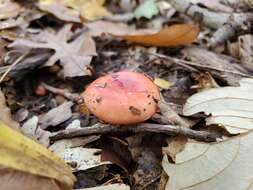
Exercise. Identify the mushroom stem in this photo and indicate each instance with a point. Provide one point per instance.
(71, 96)
(144, 127)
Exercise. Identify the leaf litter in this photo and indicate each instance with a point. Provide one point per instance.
(205, 87)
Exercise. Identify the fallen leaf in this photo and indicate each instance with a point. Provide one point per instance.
(174, 35)
(205, 81)
(5, 115)
(74, 56)
(115, 186)
(230, 107)
(223, 165)
(245, 47)
(220, 66)
(13, 14)
(79, 158)
(9, 9)
(147, 9)
(31, 129)
(13, 179)
(72, 10)
(22, 154)
(56, 115)
(215, 5)
(175, 146)
(162, 83)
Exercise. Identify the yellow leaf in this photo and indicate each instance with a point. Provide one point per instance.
(23, 154)
(164, 84)
(88, 9)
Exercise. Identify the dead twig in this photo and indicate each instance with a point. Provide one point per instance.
(71, 96)
(144, 127)
(228, 24)
(12, 66)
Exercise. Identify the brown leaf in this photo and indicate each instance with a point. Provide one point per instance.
(13, 179)
(175, 35)
(178, 34)
(56, 115)
(220, 66)
(74, 56)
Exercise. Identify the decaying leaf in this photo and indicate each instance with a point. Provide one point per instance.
(79, 158)
(175, 146)
(5, 115)
(74, 9)
(205, 81)
(57, 115)
(9, 9)
(74, 56)
(174, 35)
(115, 186)
(223, 165)
(25, 156)
(220, 66)
(245, 44)
(230, 107)
(31, 129)
(13, 14)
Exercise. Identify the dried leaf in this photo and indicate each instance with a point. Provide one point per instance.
(79, 158)
(13, 179)
(5, 115)
(175, 146)
(23, 154)
(245, 47)
(230, 107)
(220, 66)
(57, 115)
(109, 187)
(205, 81)
(9, 9)
(74, 56)
(72, 10)
(31, 129)
(175, 35)
(223, 165)
(12, 14)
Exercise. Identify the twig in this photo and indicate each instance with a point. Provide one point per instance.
(71, 96)
(212, 19)
(226, 23)
(144, 127)
(13, 65)
(199, 65)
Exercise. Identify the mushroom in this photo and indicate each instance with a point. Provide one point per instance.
(122, 98)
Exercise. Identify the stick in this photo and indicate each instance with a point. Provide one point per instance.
(144, 127)
(71, 96)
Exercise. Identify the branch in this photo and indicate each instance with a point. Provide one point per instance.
(228, 24)
(144, 127)
(212, 19)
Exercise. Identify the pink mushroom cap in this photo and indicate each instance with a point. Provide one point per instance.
(122, 98)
